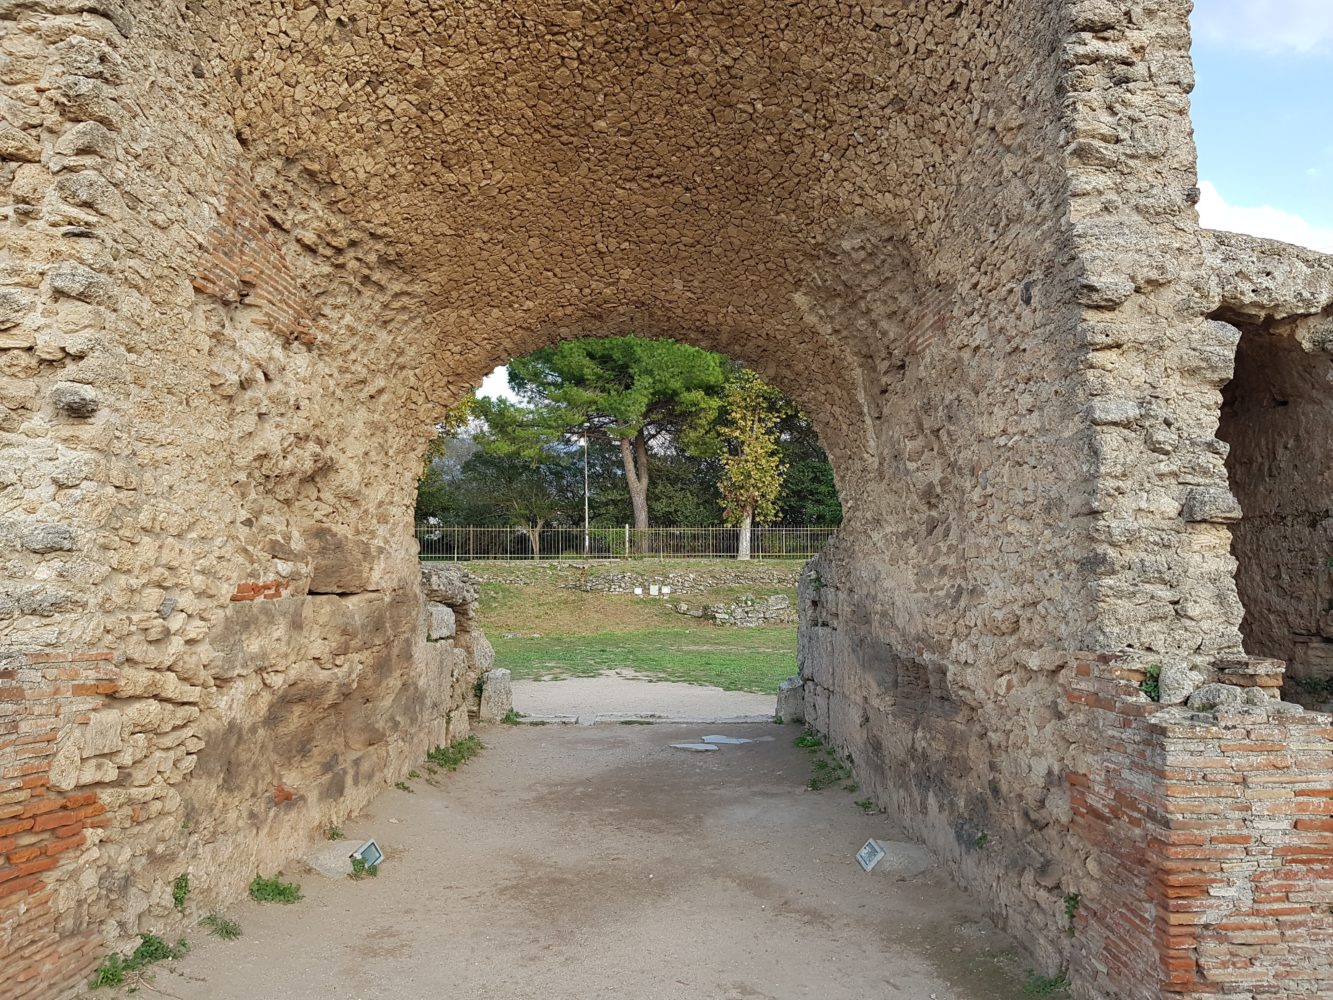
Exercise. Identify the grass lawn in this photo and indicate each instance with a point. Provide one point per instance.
(735, 659)
(545, 632)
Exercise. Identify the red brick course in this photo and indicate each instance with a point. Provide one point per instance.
(244, 262)
(1213, 864)
(41, 829)
(268, 591)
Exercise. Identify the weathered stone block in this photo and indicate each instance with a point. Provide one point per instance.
(497, 695)
(1177, 682)
(1211, 504)
(341, 563)
(791, 700)
(441, 623)
(1211, 697)
(44, 538)
(76, 400)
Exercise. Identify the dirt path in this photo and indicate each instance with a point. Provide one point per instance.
(621, 694)
(571, 862)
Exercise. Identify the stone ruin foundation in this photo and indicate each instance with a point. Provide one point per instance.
(252, 249)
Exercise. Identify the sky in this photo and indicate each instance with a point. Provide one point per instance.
(1263, 122)
(1263, 117)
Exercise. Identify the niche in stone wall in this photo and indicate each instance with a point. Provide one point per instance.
(1277, 418)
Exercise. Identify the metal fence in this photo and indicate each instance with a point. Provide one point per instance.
(439, 542)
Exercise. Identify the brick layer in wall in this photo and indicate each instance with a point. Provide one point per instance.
(244, 262)
(43, 830)
(1213, 848)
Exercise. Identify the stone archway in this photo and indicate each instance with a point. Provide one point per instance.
(254, 247)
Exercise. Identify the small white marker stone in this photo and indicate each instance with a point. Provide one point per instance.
(728, 740)
(700, 747)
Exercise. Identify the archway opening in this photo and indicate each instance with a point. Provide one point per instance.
(633, 510)
(1277, 418)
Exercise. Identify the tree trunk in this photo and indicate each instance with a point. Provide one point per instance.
(634, 455)
(743, 542)
(535, 539)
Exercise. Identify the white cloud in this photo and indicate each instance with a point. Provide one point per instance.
(1265, 25)
(496, 385)
(1273, 223)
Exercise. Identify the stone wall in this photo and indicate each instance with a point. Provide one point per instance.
(746, 611)
(254, 248)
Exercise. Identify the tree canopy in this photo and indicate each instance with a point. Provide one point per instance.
(701, 425)
(630, 391)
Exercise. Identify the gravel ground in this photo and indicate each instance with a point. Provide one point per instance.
(621, 695)
(568, 863)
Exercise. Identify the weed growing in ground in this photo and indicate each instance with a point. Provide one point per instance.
(808, 741)
(220, 926)
(1045, 986)
(1071, 909)
(512, 718)
(179, 890)
(413, 774)
(334, 833)
(403, 786)
(867, 806)
(829, 771)
(274, 890)
(362, 870)
(983, 838)
(151, 949)
(1151, 684)
(456, 754)
(777, 720)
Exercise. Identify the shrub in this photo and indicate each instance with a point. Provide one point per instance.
(274, 890)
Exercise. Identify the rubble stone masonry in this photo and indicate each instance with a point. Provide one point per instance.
(252, 250)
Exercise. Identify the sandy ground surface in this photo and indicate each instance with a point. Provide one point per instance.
(569, 862)
(622, 694)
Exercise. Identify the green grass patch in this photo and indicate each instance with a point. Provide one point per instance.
(223, 927)
(274, 890)
(180, 889)
(456, 754)
(362, 870)
(829, 771)
(151, 949)
(334, 833)
(1046, 986)
(734, 659)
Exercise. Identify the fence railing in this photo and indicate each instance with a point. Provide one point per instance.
(439, 542)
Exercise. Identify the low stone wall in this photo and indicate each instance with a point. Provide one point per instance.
(622, 577)
(746, 612)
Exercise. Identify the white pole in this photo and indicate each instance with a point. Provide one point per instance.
(587, 541)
